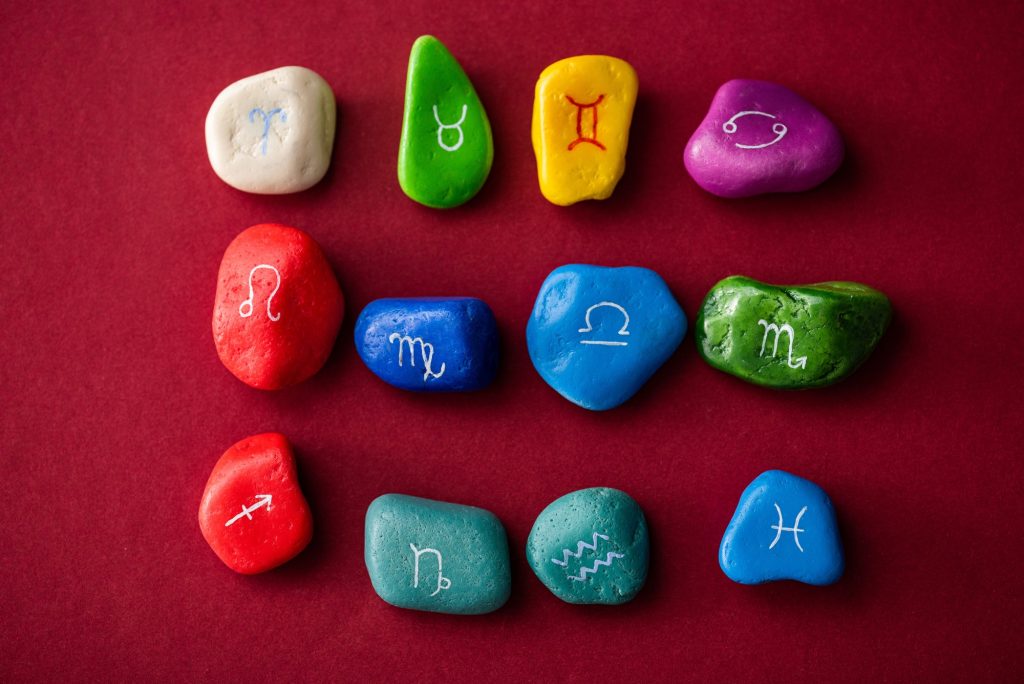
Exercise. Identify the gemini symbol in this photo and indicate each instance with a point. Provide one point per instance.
(442, 581)
(442, 127)
(580, 138)
(267, 118)
(799, 362)
(426, 353)
(795, 529)
(245, 309)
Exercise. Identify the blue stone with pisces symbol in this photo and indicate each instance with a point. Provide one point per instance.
(429, 344)
(597, 334)
(784, 528)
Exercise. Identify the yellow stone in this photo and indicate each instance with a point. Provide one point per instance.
(582, 108)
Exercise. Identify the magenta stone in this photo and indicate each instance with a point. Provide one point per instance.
(761, 137)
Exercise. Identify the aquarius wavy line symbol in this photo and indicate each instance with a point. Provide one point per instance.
(567, 554)
(593, 569)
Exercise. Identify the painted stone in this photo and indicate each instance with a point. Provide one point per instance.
(790, 337)
(446, 148)
(429, 344)
(436, 556)
(598, 334)
(591, 546)
(272, 133)
(253, 514)
(760, 137)
(278, 307)
(582, 109)
(784, 528)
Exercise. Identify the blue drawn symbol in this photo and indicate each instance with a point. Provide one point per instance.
(267, 117)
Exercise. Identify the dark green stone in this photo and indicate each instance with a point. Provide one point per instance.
(793, 336)
(442, 163)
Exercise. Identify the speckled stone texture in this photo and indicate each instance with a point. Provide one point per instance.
(591, 546)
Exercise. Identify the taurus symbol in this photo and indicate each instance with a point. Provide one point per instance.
(442, 581)
(589, 327)
(426, 353)
(245, 310)
(267, 118)
(779, 129)
(580, 138)
(795, 529)
(442, 127)
(800, 362)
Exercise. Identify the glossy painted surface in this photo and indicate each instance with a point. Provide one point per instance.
(597, 334)
(446, 148)
(784, 528)
(760, 137)
(790, 337)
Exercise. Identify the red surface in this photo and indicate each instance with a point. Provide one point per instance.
(115, 406)
(253, 514)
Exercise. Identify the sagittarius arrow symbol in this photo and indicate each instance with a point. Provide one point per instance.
(261, 500)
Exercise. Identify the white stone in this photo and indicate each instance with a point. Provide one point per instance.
(272, 133)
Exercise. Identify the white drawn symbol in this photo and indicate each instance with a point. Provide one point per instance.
(442, 127)
(779, 128)
(245, 310)
(442, 581)
(261, 500)
(799, 362)
(267, 118)
(589, 327)
(426, 353)
(795, 529)
(580, 546)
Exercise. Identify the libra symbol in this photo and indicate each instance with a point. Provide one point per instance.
(795, 529)
(589, 327)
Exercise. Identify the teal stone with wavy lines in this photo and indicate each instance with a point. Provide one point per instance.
(436, 556)
(591, 546)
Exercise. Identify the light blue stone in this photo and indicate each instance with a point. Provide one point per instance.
(436, 556)
(598, 334)
(784, 528)
(429, 344)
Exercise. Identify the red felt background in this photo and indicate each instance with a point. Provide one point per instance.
(115, 406)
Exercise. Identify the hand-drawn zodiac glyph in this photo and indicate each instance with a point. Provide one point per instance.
(581, 545)
(245, 309)
(426, 353)
(795, 529)
(267, 118)
(589, 327)
(779, 129)
(442, 581)
(580, 138)
(800, 362)
(442, 127)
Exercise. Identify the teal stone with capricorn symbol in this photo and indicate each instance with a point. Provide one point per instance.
(790, 337)
(591, 546)
(436, 556)
(446, 149)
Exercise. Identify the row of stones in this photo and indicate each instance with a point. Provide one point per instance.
(595, 335)
(590, 546)
(273, 133)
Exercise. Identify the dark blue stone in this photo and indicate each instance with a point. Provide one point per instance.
(429, 344)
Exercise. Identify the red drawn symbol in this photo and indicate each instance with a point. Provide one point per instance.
(579, 123)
